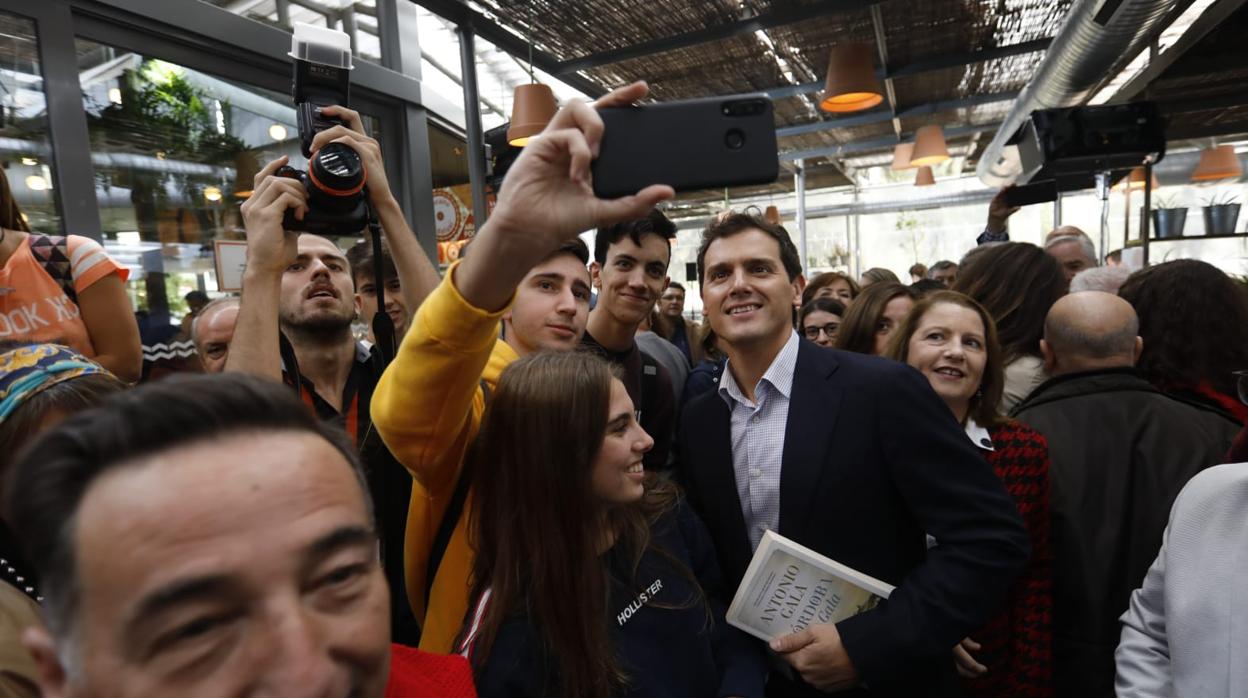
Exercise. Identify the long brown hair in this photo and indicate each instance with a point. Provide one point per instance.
(862, 320)
(10, 214)
(1017, 283)
(826, 279)
(1194, 322)
(986, 402)
(535, 520)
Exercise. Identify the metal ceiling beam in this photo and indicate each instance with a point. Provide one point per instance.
(767, 20)
(881, 46)
(1214, 15)
(877, 143)
(1215, 131)
(505, 40)
(881, 116)
(952, 60)
(1198, 104)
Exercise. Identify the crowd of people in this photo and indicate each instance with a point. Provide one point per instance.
(556, 485)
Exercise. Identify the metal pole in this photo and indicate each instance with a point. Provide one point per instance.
(400, 51)
(472, 118)
(1057, 211)
(1102, 190)
(1145, 233)
(283, 12)
(857, 272)
(799, 185)
(347, 18)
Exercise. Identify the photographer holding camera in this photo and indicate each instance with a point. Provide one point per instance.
(299, 286)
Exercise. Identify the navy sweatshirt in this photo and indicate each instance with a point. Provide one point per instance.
(665, 652)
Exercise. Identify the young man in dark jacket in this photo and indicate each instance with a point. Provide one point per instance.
(1120, 452)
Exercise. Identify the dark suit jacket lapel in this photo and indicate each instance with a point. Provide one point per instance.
(712, 427)
(813, 404)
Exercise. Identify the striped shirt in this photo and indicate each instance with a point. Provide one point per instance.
(758, 439)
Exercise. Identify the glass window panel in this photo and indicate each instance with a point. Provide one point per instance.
(175, 151)
(25, 149)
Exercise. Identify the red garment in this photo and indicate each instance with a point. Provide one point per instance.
(1017, 641)
(1233, 405)
(417, 674)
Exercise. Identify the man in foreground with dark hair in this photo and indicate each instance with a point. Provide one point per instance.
(852, 456)
(171, 566)
(630, 273)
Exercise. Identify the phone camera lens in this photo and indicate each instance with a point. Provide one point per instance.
(734, 139)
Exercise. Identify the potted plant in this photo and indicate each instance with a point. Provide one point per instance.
(1168, 219)
(1221, 214)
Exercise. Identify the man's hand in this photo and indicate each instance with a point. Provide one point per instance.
(269, 248)
(999, 212)
(967, 666)
(353, 135)
(548, 196)
(818, 655)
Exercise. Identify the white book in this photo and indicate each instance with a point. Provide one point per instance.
(788, 587)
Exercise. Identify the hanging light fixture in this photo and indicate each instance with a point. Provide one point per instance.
(901, 156)
(929, 147)
(533, 105)
(1219, 162)
(924, 178)
(851, 85)
(772, 215)
(531, 110)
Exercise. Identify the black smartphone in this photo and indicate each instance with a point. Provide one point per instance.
(692, 144)
(1028, 194)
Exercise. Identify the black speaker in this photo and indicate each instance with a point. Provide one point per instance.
(691, 271)
(1070, 146)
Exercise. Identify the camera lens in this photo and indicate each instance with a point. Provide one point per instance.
(734, 139)
(337, 170)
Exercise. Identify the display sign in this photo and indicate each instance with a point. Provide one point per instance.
(231, 259)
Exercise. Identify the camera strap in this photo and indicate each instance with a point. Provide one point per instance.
(383, 326)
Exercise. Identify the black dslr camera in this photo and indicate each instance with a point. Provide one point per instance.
(335, 178)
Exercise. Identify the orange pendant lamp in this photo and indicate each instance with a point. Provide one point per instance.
(772, 215)
(851, 85)
(924, 178)
(901, 156)
(1217, 163)
(929, 147)
(533, 107)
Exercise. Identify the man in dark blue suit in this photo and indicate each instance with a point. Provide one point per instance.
(852, 456)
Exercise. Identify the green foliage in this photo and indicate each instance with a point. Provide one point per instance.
(1225, 199)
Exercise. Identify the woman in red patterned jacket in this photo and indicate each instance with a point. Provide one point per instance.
(952, 341)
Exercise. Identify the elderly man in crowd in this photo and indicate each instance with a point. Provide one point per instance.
(1070, 246)
(1072, 249)
(1121, 450)
(213, 330)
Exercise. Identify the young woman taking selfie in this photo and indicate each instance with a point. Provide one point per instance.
(592, 577)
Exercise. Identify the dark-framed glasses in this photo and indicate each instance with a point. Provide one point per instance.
(812, 331)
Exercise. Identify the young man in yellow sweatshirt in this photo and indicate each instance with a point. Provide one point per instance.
(526, 268)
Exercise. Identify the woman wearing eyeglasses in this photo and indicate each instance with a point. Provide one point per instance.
(820, 320)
